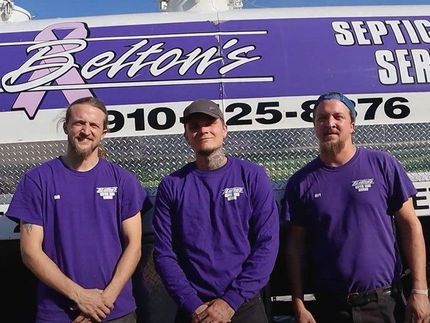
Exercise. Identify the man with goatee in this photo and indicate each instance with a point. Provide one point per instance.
(344, 206)
(81, 226)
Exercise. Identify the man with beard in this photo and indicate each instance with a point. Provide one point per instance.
(81, 226)
(216, 228)
(344, 206)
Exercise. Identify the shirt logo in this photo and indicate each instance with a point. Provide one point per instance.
(107, 192)
(363, 185)
(232, 193)
(317, 195)
(57, 196)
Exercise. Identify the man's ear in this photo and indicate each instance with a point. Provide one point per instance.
(185, 137)
(65, 128)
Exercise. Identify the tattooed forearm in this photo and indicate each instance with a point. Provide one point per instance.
(27, 227)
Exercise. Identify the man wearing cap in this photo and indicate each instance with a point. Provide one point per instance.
(344, 206)
(216, 227)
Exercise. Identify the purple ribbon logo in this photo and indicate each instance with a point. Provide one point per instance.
(52, 62)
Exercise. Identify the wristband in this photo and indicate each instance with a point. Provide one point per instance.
(420, 291)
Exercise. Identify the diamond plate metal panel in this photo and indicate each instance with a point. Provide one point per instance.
(281, 152)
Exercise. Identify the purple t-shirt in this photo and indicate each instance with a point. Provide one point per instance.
(81, 214)
(216, 233)
(348, 212)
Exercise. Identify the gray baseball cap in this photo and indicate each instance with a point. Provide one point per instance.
(204, 106)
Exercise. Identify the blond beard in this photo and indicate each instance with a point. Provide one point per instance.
(82, 152)
(331, 148)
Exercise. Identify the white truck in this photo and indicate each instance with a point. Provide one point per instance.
(264, 67)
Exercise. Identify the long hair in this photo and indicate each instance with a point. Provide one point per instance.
(96, 103)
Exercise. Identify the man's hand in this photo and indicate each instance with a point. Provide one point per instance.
(304, 316)
(108, 299)
(199, 310)
(217, 311)
(92, 306)
(82, 318)
(418, 309)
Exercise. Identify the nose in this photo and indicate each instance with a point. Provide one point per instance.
(85, 129)
(203, 129)
(332, 122)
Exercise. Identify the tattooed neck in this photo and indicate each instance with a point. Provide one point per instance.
(213, 161)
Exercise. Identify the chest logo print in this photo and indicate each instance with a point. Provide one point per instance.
(363, 185)
(232, 193)
(107, 192)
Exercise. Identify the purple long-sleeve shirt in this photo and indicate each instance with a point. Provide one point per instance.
(216, 233)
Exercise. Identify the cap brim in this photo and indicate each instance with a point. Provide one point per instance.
(213, 115)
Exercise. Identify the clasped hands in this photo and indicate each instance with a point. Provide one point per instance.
(94, 306)
(215, 311)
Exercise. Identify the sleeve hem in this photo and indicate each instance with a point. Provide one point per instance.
(233, 299)
(191, 304)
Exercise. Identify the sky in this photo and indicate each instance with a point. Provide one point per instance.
(41, 9)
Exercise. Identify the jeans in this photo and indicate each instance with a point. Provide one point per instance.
(387, 307)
